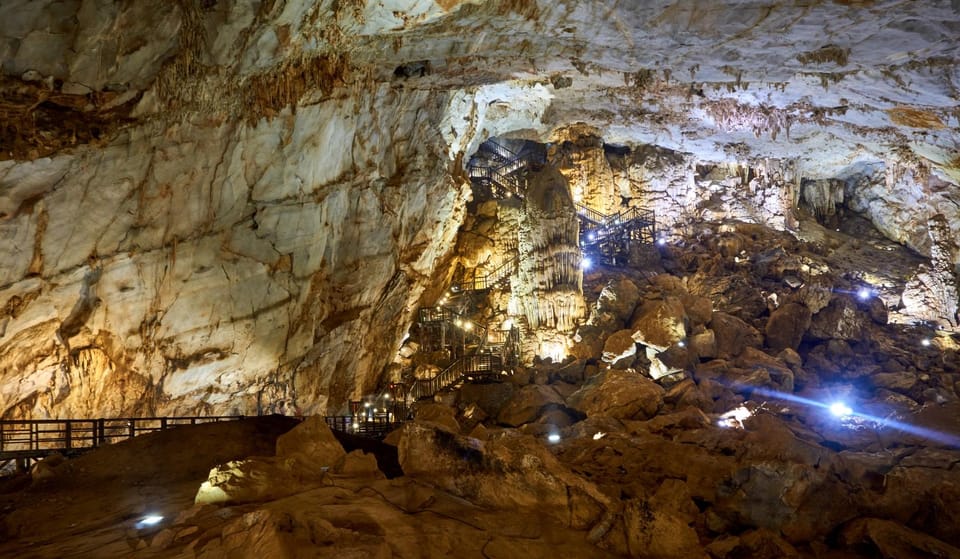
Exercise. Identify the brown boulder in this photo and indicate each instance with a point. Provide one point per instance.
(618, 394)
(311, 445)
(660, 323)
(733, 335)
(840, 320)
(620, 349)
(619, 298)
(438, 414)
(527, 404)
(507, 471)
(895, 541)
(661, 527)
(786, 326)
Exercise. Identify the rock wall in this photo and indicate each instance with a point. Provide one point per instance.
(227, 269)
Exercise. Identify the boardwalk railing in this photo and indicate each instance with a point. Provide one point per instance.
(33, 438)
(375, 426)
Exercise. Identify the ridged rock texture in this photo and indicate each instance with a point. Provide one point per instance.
(214, 206)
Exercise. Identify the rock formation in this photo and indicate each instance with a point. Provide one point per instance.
(180, 198)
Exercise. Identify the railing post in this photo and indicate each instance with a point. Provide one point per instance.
(2, 436)
(131, 428)
(102, 431)
(163, 423)
(68, 435)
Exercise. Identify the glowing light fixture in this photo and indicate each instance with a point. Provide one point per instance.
(150, 520)
(386, 396)
(553, 437)
(682, 343)
(661, 242)
(585, 264)
(592, 236)
(925, 342)
(599, 435)
(459, 323)
(839, 409)
(864, 293)
(735, 417)
(468, 326)
(366, 404)
(355, 425)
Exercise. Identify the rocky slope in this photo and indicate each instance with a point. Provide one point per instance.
(221, 206)
(735, 451)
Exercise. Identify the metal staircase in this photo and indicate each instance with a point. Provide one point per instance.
(496, 278)
(480, 353)
(609, 237)
(499, 170)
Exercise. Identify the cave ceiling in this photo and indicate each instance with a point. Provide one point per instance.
(832, 84)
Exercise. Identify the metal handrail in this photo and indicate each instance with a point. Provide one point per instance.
(468, 365)
(36, 437)
(498, 150)
(487, 281)
(374, 426)
(591, 214)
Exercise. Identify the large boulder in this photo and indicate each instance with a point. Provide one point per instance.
(508, 471)
(895, 541)
(619, 298)
(304, 455)
(618, 394)
(660, 323)
(780, 375)
(489, 397)
(733, 335)
(620, 349)
(787, 325)
(438, 414)
(310, 445)
(527, 404)
(661, 527)
(699, 309)
(842, 319)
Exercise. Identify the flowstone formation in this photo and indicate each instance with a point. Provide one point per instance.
(548, 290)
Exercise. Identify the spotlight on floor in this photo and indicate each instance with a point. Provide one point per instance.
(682, 343)
(839, 409)
(925, 342)
(864, 293)
(591, 236)
(553, 437)
(149, 520)
(585, 264)
(661, 242)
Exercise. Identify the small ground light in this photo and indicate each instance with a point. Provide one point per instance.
(682, 343)
(661, 241)
(864, 293)
(925, 342)
(149, 520)
(839, 409)
(356, 425)
(585, 264)
(592, 236)
(553, 437)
